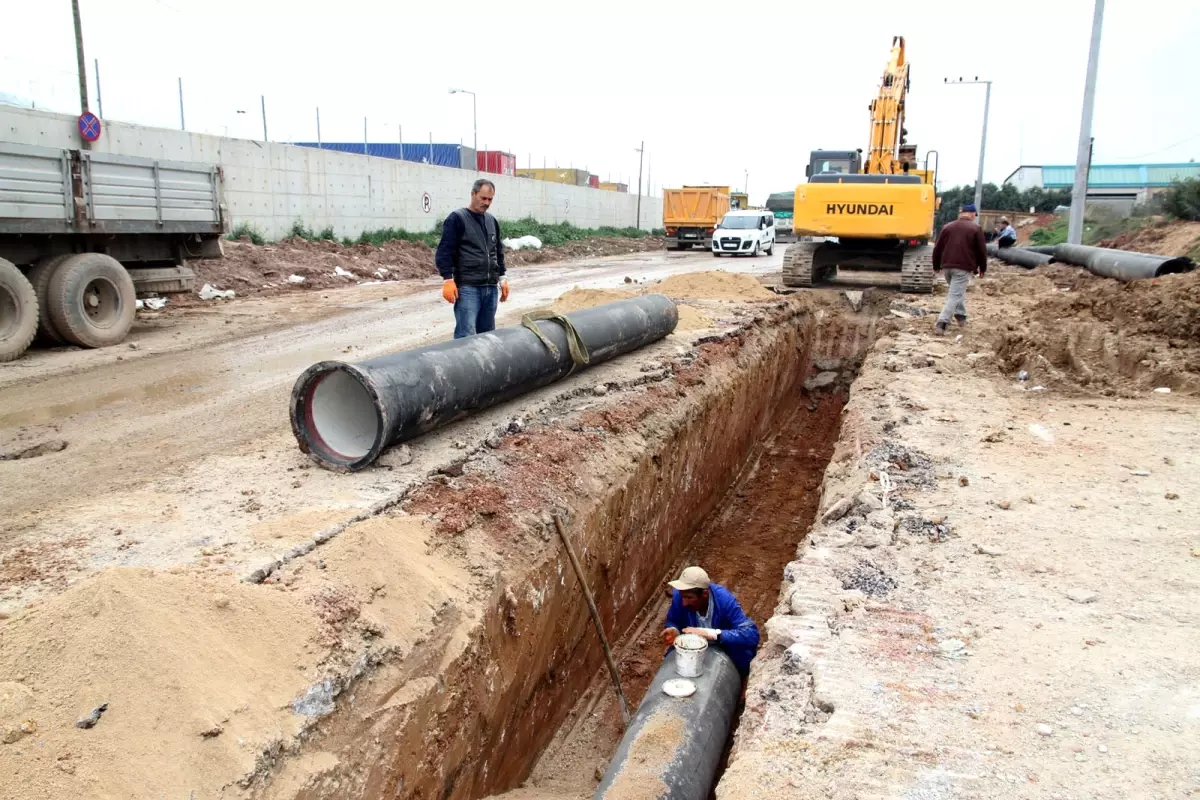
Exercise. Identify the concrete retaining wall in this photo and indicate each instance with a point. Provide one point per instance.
(272, 185)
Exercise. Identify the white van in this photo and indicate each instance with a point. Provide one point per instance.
(746, 232)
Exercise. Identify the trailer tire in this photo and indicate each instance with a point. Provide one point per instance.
(18, 312)
(40, 277)
(91, 300)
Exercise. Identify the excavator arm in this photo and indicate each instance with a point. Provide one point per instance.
(884, 156)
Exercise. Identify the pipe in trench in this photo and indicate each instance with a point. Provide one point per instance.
(684, 737)
(345, 415)
(1121, 264)
(1018, 256)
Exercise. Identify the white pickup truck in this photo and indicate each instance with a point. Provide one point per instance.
(82, 233)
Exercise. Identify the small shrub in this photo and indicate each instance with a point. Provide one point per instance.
(245, 229)
(1182, 200)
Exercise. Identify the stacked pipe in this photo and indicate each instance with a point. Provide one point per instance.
(345, 415)
(1121, 264)
(1018, 256)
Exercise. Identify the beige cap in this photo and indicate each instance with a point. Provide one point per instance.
(691, 578)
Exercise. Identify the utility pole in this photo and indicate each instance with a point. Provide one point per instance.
(1084, 151)
(182, 127)
(264, 115)
(83, 88)
(746, 185)
(319, 128)
(641, 151)
(99, 97)
(987, 102)
(365, 153)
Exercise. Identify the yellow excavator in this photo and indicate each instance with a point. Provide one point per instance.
(876, 215)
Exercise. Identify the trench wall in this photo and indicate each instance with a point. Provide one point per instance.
(272, 185)
(504, 681)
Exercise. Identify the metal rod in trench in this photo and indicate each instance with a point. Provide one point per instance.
(587, 595)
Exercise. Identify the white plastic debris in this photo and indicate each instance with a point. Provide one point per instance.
(381, 273)
(154, 303)
(343, 273)
(295, 279)
(210, 292)
(1040, 432)
(1163, 390)
(523, 243)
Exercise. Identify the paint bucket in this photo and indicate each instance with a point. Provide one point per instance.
(689, 654)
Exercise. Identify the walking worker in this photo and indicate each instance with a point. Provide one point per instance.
(710, 610)
(960, 250)
(470, 258)
(1006, 234)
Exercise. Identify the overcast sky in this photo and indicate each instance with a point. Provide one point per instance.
(714, 88)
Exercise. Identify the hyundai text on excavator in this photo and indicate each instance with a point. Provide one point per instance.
(873, 216)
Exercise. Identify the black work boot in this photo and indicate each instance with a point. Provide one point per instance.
(940, 328)
(961, 319)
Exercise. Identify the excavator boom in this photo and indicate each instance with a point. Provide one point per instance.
(887, 116)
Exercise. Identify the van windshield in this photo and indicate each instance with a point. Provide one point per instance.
(739, 223)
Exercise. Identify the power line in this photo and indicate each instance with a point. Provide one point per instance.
(1156, 152)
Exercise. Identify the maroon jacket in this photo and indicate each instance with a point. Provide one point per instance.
(961, 245)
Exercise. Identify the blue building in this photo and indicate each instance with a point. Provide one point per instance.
(1120, 186)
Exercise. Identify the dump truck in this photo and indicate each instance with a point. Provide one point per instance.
(691, 214)
(874, 213)
(82, 233)
(782, 205)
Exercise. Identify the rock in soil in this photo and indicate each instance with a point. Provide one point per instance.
(1082, 595)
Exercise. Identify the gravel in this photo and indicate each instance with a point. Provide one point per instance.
(868, 579)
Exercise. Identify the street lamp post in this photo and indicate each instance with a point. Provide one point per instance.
(987, 101)
(474, 120)
(1083, 155)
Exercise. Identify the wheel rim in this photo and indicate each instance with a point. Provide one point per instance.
(10, 313)
(101, 303)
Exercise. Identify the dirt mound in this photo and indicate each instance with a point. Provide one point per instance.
(1175, 238)
(690, 319)
(1115, 337)
(584, 248)
(251, 269)
(714, 285)
(577, 299)
(119, 639)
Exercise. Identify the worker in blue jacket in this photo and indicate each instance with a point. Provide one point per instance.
(710, 610)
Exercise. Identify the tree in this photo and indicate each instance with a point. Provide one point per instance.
(1000, 198)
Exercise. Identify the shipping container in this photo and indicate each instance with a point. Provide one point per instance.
(575, 177)
(440, 154)
(613, 187)
(691, 214)
(497, 162)
(594, 181)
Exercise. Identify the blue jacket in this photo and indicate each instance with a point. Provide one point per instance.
(739, 634)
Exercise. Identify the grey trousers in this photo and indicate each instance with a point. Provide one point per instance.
(956, 298)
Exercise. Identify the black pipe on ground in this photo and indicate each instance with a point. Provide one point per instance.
(1044, 249)
(1018, 256)
(677, 740)
(345, 415)
(1121, 264)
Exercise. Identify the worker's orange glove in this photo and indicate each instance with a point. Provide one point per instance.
(669, 636)
(450, 291)
(503, 291)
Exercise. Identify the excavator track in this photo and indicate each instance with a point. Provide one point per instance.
(798, 264)
(916, 270)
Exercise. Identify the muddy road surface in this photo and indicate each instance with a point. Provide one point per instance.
(160, 450)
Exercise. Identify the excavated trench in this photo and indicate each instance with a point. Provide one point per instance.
(727, 476)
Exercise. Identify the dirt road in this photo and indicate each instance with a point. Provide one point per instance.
(179, 441)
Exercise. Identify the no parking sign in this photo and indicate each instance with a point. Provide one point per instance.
(89, 126)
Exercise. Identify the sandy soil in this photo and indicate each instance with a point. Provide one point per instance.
(1009, 615)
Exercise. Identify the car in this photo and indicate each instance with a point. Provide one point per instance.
(745, 232)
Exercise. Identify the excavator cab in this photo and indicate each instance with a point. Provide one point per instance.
(834, 162)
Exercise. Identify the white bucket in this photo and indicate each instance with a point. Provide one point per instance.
(689, 654)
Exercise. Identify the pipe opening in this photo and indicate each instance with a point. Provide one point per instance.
(341, 416)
